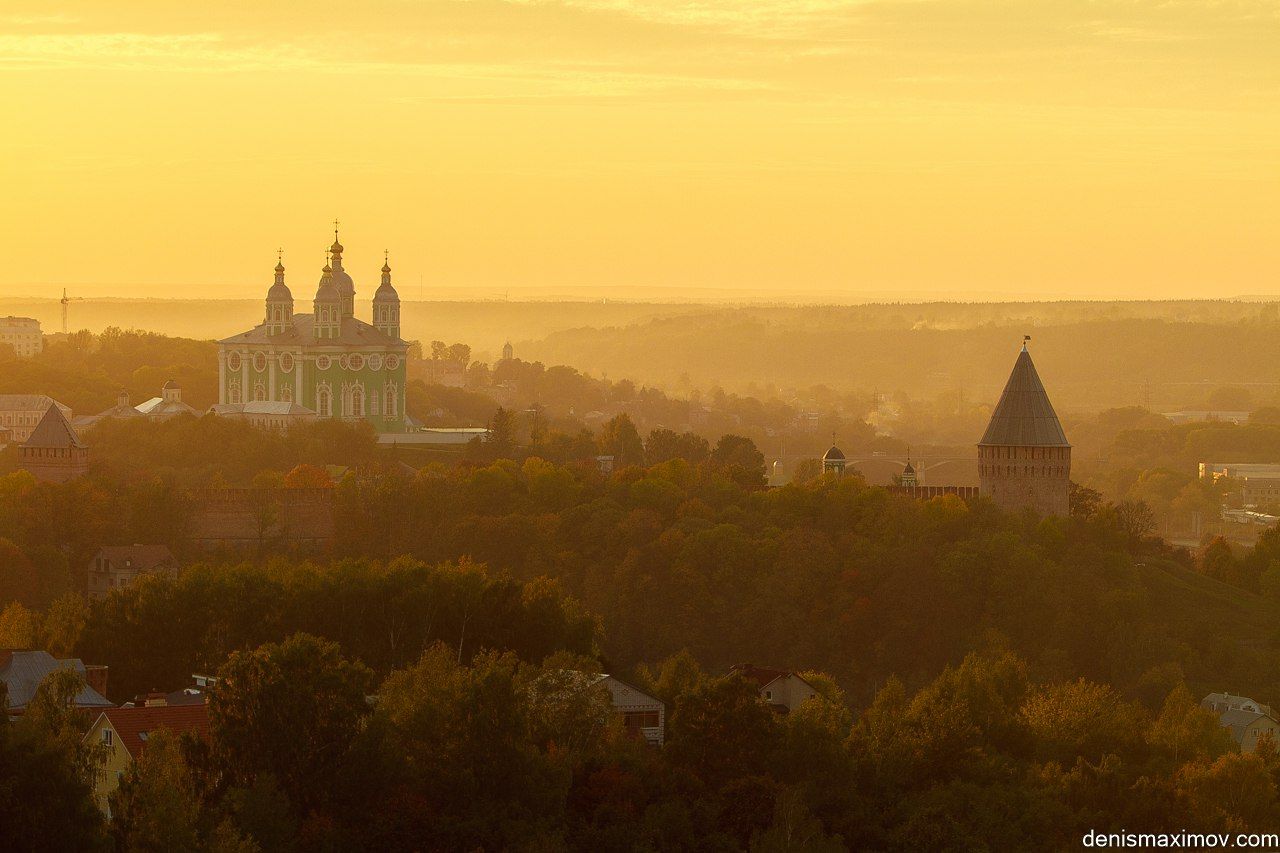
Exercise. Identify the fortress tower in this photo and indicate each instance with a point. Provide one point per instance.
(1024, 458)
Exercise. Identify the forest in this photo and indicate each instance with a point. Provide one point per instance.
(1046, 670)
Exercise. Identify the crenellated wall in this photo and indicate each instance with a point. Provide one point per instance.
(1020, 477)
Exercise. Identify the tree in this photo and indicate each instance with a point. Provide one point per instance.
(1186, 732)
(156, 806)
(290, 709)
(500, 442)
(665, 444)
(63, 625)
(19, 627)
(618, 438)
(46, 803)
(723, 732)
(738, 458)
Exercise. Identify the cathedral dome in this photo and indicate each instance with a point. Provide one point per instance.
(279, 291)
(386, 290)
(833, 454)
(327, 292)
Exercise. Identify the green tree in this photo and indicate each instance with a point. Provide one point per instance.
(722, 731)
(290, 709)
(738, 458)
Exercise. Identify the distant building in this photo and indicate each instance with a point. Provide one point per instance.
(1203, 416)
(508, 352)
(1248, 720)
(275, 416)
(1260, 490)
(326, 359)
(445, 371)
(116, 566)
(909, 479)
(924, 493)
(125, 732)
(1237, 470)
(22, 670)
(20, 413)
(54, 452)
(783, 691)
(643, 715)
(1024, 458)
(444, 438)
(23, 334)
(833, 461)
(168, 405)
(122, 410)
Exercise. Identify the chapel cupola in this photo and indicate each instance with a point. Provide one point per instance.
(279, 301)
(386, 304)
(341, 279)
(328, 306)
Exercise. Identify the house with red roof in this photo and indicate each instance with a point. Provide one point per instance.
(783, 691)
(125, 732)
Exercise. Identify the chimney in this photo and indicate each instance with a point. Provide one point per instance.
(95, 675)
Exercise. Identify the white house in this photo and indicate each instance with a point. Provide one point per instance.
(642, 714)
(1248, 720)
(783, 691)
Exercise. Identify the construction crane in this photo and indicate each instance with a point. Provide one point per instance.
(65, 301)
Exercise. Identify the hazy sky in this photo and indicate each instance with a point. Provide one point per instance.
(1029, 147)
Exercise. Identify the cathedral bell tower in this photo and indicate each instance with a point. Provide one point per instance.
(386, 304)
(279, 301)
(328, 306)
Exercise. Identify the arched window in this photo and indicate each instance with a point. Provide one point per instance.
(259, 392)
(373, 402)
(393, 400)
(233, 391)
(357, 401)
(324, 402)
(286, 393)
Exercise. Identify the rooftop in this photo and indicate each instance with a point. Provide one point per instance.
(134, 725)
(1024, 417)
(54, 431)
(22, 670)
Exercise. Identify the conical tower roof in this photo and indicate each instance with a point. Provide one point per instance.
(54, 431)
(1024, 417)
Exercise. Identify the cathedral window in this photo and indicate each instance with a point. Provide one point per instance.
(393, 361)
(259, 392)
(357, 402)
(323, 362)
(259, 361)
(286, 361)
(373, 402)
(375, 362)
(233, 391)
(233, 361)
(356, 362)
(393, 400)
(324, 402)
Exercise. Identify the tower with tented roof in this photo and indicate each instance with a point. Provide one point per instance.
(1024, 458)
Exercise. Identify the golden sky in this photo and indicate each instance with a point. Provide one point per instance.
(890, 147)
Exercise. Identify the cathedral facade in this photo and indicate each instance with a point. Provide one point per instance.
(1024, 458)
(325, 360)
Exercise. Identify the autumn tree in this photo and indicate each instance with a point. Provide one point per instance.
(290, 709)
